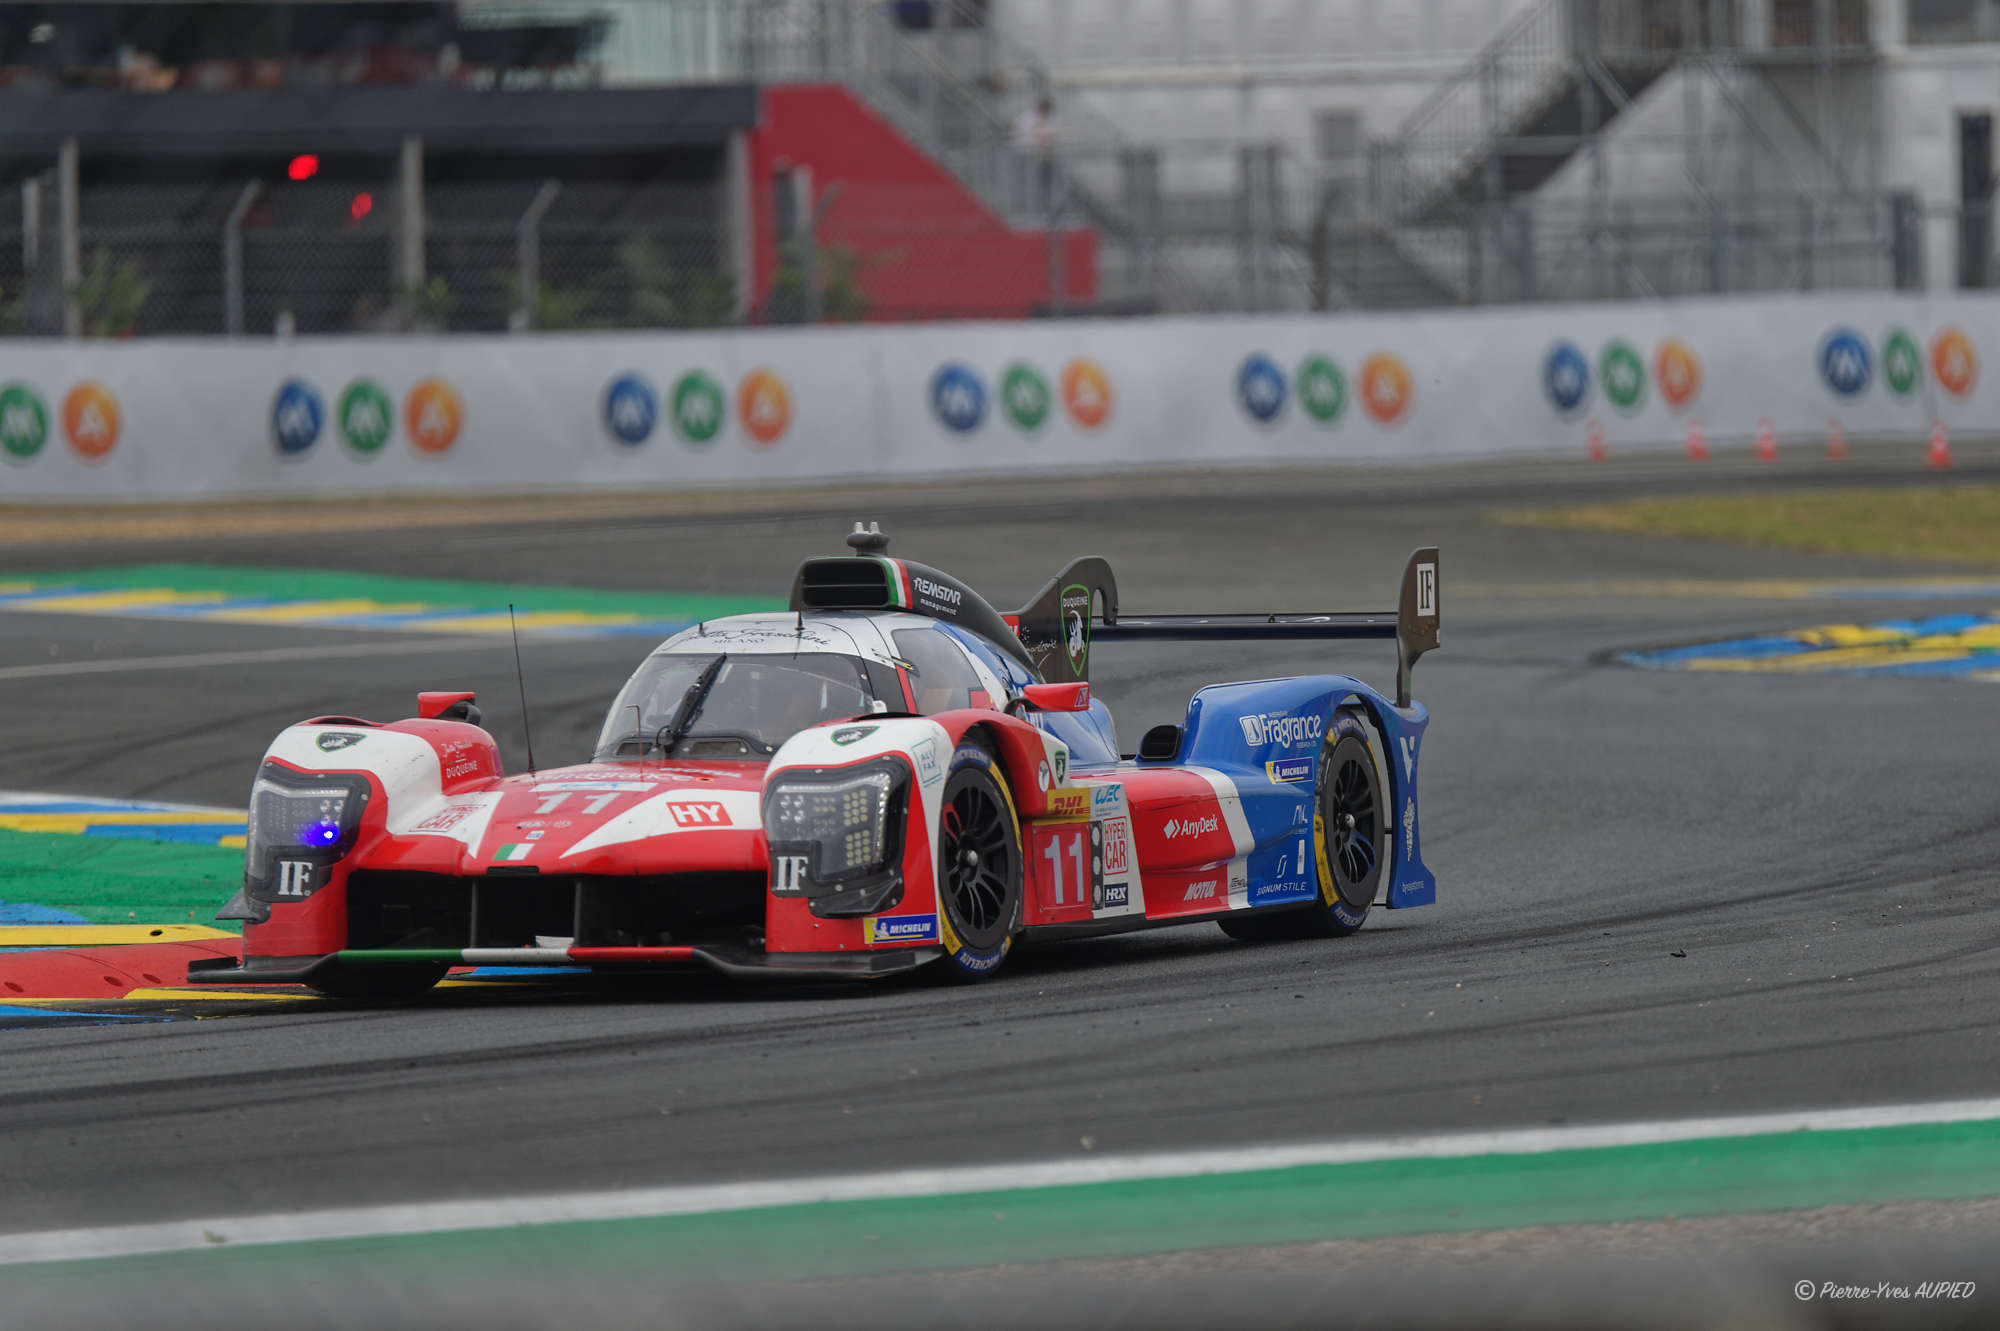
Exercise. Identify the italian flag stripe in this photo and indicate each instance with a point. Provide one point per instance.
(899, 582)
(514, 851)
(513, 956)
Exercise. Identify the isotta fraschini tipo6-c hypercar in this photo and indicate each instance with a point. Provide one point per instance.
(887, 775)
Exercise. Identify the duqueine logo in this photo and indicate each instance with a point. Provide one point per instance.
(1284, 731)
(1076, 628)
(1194, 825)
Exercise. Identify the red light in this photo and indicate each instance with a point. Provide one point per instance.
(363, 204)
(303, 167)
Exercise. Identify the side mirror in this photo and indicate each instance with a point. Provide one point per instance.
(447, 707)
(1055, 697)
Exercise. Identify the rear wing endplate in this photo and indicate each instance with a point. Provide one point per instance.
(1413, 624)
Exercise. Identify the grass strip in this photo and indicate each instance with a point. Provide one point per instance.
(113, 880)
(330, 585)
(1957, 524)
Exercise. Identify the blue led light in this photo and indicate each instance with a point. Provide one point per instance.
(320, 834)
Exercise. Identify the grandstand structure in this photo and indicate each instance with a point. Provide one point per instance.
(488, 164)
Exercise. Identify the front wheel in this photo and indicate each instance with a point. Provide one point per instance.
(979, 866)
(376, 984)
(1349, 838)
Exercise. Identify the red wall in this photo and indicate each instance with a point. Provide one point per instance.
(928, 247)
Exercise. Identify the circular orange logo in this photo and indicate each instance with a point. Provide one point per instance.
(1385, 387)
(433, 415)
(1954, 362)
(1086, 393)
(90, 420)
(763, 405)
(1677, 370)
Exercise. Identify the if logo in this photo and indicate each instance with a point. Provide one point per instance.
(295, 878)
(789, 873)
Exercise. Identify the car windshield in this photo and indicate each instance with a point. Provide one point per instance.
(753, 702)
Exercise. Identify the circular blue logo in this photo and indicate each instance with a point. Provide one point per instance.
(1566, 376)
(958, 397)
(296, 417)
(631, 408)
(1260, 387)
(1844, 362)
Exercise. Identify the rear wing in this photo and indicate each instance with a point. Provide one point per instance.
(1413, 624)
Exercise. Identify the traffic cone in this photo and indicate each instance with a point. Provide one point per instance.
(1767, 441)
(1697, 445)
(1593, 442)
(1939, 453)
(1836, 442)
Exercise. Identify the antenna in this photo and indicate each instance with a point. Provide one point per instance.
(521, 679)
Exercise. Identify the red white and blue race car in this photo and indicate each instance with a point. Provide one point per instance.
(889, 774)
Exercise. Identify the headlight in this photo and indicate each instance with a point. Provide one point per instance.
(298, 816)
(840, 817)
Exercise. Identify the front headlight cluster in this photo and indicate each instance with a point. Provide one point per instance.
(300, 816)
(841, 816)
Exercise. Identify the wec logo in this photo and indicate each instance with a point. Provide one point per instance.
(1275, 728)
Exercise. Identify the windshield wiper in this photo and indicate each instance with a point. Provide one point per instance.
(676, 728)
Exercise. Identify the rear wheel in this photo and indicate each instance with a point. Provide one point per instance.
(979, 866)
(376, 983)
(1349, 836)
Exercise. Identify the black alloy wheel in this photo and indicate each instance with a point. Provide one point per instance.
(981, 859)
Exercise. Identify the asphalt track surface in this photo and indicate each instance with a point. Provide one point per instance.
(1823, 850)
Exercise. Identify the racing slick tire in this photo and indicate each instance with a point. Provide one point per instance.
(1350, 836)
(377, 984)
(980, 866)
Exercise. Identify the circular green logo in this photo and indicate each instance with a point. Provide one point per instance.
(24, 424)
(1902, 363)
(1322, 389)
(366, 418)
(1623, 375)
(698, 406)
(1024, 396)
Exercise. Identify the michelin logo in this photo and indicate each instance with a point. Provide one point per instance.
(901, 929)
(1275, 728)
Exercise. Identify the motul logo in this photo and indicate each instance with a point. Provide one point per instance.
(1180, 827)
(1202, 891)
(692, 814)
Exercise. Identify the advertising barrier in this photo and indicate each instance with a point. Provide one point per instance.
(356, 415)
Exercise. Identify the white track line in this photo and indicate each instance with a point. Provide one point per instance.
(646, 1203)
(256, 656)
